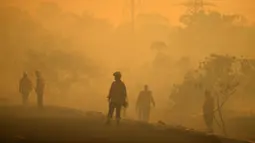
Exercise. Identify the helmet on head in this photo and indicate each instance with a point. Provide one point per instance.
(117, 74)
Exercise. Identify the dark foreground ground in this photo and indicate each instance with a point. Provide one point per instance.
(55, 124)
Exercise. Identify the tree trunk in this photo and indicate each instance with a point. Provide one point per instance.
(221, 117)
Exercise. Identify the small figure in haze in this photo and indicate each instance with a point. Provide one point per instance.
(39, 89)
(208, 110)
(25, 88)
(117, 98)
(143, 104)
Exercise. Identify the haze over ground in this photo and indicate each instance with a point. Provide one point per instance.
(78, 52)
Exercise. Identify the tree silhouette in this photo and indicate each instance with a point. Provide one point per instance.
(209, 32)
(51, 43)
(216, 74)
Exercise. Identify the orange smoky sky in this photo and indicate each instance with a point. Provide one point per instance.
(117, 10)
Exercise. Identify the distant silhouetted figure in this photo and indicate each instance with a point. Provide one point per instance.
(25, 88)
(143, 104)
(117, 98)
(208, 110)
(39, 89)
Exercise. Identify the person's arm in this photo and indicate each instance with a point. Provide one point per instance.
(125, 91)
(110, 92)
(152, 99)
(36, 85)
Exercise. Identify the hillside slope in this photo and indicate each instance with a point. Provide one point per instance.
(57, 124)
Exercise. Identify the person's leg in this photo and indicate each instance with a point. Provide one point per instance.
(23, 99)
(208, 122)
(110, 112)
(40, 100)
(143, 114)
(118, 113)
(147, 114)
(140, 114)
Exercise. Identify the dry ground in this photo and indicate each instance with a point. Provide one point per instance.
(58, 124)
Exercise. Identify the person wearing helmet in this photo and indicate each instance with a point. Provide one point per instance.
(208, 110)
(25, 88)
(39, 89)
(117, 98)
(143, 104)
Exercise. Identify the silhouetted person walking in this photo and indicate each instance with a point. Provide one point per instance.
(39, 89)
(143, 104)
(25, 88)
(117, 98)
(208, 110)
